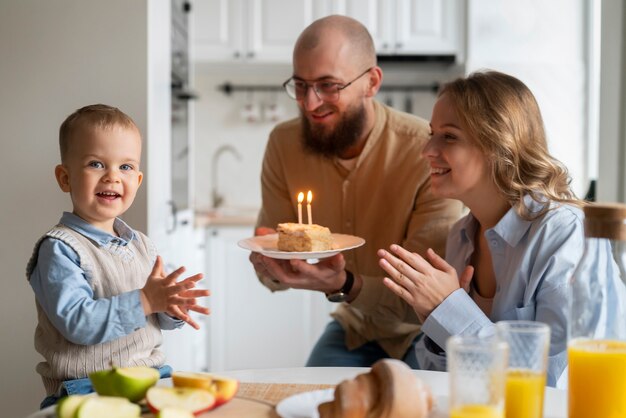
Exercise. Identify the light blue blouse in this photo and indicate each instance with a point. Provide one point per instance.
(533, 262)
(67, 298)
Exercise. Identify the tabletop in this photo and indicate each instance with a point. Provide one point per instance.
(284, 382)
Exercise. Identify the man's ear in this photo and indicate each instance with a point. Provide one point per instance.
(63, 177)
(375, 80)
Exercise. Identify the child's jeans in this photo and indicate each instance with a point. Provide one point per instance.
(83, 387)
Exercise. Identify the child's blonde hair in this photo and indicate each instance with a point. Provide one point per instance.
(501, 114)
(96, 116)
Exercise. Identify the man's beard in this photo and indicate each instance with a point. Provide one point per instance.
(334, 143)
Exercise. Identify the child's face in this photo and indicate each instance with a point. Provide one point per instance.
(101, 173)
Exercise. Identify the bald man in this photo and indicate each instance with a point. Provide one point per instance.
(362, 161)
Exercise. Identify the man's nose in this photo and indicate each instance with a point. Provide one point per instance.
(311, 101)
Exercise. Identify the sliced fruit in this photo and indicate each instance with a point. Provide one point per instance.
(107, 407)
(223, 388)
(174, 413)
(226, 389)
(193, 380)
(193, 400)
(67, 406)
(131, 383)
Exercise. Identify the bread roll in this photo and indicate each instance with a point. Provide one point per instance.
(389, 390)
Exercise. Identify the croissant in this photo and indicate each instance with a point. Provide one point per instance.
(389, 390)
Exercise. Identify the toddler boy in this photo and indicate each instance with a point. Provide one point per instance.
(101, 293)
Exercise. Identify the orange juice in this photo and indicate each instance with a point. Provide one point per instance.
(597, 379)
(476, 411)
(524, 393)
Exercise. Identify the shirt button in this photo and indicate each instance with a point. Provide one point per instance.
(348, 224)
(494, 243)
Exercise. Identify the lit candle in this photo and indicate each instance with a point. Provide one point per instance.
(309, 199)
(300, 199)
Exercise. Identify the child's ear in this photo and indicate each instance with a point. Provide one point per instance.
(139, 178)
(63, 177)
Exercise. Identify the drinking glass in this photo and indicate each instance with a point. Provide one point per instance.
(477, 369)
(529, 343)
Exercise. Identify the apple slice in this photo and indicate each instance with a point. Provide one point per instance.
(174, 413)
(193, 380)
(131, 383)
(226, 389)
(195, 401)
(107, 407)
(223, 388)
(67, 406)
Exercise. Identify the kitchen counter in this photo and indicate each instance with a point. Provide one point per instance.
(226, 216)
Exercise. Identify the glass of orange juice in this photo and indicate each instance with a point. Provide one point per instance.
(477, 369)
(597, 378)
(529, 343)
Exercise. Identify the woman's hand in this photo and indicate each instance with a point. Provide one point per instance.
(422, 283)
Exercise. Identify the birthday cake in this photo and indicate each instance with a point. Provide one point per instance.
(303, 237)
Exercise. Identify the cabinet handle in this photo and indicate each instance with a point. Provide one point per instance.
(237, 54)
(174, 213)
(399, 45)
(250, 54)
(385, 46)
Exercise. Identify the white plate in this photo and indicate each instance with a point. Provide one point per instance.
(304, 405)
(267, 245)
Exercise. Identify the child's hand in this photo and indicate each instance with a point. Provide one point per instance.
(163, 294)
(181, 312)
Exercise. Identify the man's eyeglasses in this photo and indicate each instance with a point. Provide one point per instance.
(324, 90)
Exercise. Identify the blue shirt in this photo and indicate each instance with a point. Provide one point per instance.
(533, 262)
(64, 293)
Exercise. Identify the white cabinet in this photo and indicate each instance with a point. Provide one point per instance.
(249, 326)
(266, 30)
(406, 27)
(185, 348)
(247, 30)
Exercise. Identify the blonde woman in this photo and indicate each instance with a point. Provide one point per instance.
(511, 257)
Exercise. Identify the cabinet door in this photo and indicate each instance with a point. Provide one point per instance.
(273, 27)
(217, 30)
(185, 348)
(428, 27)
(250, 327)
(375, 15)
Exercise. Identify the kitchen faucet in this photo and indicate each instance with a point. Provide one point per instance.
(218, 198)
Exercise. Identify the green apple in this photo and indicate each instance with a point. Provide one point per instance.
(195, 401)
(107, 407)
(131, 383)
(67, 406)
(174, 413)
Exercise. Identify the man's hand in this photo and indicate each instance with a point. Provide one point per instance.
(326, 276)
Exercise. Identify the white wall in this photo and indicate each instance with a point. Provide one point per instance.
(612, 171)
(56, 57)
(543, 44)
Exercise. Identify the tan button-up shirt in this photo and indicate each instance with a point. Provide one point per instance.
(385, 199)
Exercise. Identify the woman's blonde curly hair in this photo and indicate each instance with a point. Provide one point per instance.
(501, 114)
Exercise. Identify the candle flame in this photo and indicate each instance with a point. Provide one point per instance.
(309, 197)
(300, 197)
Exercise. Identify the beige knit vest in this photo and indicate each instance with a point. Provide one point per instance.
(111, 269)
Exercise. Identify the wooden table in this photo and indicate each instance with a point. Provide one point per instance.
(261, 390)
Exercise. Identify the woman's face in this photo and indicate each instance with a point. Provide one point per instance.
(459, 169)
